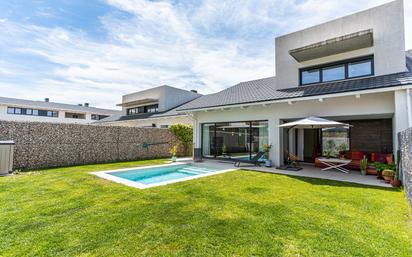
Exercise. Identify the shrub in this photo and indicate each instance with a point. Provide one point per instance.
(184, 133)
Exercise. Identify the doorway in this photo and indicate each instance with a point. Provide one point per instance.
(311, 143)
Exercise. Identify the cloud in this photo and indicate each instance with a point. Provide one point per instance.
(206, 46)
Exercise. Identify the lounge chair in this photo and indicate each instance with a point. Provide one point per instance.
(254, 160)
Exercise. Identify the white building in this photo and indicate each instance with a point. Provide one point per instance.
(12, 109)
(353, 69)
(155, 107)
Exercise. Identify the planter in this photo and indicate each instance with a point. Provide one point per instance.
(396, 183)
(268, 163)
(387, 179)
(364, 172)
(174, 158)
(371, 171)
(379, 175)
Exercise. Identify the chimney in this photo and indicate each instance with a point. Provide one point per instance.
(46, 100)
(193, 91)
(86, 104)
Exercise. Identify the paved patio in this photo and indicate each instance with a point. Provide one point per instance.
(308, 171)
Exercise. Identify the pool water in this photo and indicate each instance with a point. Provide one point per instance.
(156, 175)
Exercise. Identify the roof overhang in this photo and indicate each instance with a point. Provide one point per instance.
(139, 102)
(337, 45)
(292, 100)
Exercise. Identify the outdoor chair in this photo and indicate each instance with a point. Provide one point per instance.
(255, 160)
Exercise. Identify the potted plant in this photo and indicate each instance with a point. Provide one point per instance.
(364, 165)
(173, 152)
(388, 175)
(266, 149)
(395, 181)
(379, 168)
(224, 150)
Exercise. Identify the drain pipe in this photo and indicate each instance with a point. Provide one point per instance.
(408, 106)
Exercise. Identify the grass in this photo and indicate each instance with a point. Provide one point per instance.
(69, 212)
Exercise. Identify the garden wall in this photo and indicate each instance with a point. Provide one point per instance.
(405, 146)
(43, 145)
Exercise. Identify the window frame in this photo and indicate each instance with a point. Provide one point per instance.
(345, 63)
(143, 109)
(32, 112)
(250, 138)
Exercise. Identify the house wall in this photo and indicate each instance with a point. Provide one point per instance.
(387, 22)
(338, 108)
(148, 122)
(372, 135)
(167, 97)
(61, 119)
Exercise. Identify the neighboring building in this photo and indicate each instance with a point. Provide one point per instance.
(155, 107)
(353, 69)
(13, 109)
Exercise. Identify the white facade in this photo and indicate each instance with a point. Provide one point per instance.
(354, 106)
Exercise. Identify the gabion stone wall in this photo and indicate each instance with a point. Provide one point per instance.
(43, 145)
(405, 145)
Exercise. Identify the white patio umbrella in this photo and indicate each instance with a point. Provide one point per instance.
(314, 122)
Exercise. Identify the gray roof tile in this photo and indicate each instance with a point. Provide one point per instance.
(262, 90)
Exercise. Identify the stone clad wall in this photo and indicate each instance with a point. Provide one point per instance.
(405, 147)
(43, 145)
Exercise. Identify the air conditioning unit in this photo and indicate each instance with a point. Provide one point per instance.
(6, 157)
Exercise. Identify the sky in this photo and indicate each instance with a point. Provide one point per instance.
(94, 51)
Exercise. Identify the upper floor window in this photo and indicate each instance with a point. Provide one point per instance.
(98, 117)
(143, 109)
(353, 68)
(32, 112)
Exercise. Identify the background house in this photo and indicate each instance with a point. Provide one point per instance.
(13, 109)
(155, 107)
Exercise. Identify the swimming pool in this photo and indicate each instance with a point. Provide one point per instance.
(151, 176)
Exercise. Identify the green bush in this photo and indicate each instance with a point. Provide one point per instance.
(184, 133)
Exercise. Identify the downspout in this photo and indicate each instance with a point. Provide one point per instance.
(408, 106)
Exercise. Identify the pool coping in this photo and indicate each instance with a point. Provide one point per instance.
(104, 174)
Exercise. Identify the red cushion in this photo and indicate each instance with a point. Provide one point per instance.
(357, 155)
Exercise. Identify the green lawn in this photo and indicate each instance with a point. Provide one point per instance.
(67, 212)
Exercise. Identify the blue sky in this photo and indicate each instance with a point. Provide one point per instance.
(77, 51)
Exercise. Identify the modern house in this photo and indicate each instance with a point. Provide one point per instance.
(12, 109)
(155, 107)
(353, 69)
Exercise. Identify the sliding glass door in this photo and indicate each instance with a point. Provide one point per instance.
(234, 140)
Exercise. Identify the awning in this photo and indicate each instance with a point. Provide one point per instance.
(314, 122)
(337, 45)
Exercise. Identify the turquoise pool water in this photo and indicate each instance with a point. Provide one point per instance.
(155, 175)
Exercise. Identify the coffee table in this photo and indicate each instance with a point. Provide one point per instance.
(335, 163)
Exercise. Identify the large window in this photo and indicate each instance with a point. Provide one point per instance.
(234, 140)
(353, 68)
(32, 112)
(335, 140)
(143, 109)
